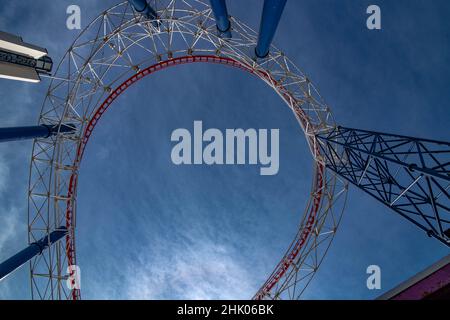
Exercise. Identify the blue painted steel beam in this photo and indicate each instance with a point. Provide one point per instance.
(408, 175)
(31, 251)
(223, 23)
(272, 11)
(142, 7)
(42, 131)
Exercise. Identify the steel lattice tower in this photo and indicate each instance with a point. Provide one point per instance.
(409, 175)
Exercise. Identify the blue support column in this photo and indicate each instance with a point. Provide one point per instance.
(223, 23)
(31, 251)
(23, 133)
(142, 7)
(272, 11)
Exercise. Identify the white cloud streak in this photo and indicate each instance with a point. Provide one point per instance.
(203, 270)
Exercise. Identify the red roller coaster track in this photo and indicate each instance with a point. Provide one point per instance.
(303, 234)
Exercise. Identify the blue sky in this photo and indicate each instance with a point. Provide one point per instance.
(149, 229)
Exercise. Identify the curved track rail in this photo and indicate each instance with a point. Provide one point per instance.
(113, 52)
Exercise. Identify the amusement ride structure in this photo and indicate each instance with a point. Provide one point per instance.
(135, 39)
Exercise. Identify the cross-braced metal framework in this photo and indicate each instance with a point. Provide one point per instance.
(116, 50)
(409, 175)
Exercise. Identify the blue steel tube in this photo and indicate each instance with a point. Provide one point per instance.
(42, 131)
(223, 23)
(31, 251)
(272, 11)
(142, 7)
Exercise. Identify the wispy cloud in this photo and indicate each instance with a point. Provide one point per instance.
(4, 175)
(8, 224)
(176, 267)
(203, 270)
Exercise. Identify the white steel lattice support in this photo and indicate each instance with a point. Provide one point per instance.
(115, 51)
